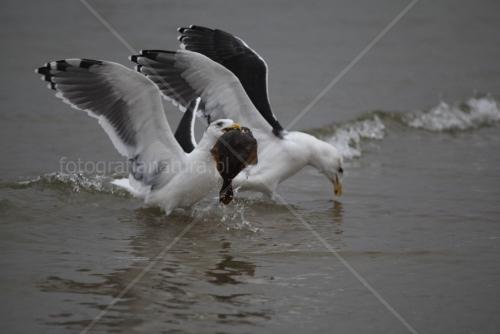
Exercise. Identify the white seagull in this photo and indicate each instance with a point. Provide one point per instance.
(231, 80)
(128, 107)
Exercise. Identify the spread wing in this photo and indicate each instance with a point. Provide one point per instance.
(184, 75)
(234, 54)
(128, 107)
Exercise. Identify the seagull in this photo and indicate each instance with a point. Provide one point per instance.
(231, 81)
(128, 107)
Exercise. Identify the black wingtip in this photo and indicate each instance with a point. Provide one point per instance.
(201, 28)
(61, 65)
(45, 70)
(153, 54)
(46, 75)
(133, 58)
(183, 30)
(87, 63)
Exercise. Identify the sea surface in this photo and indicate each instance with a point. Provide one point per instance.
(412, 245)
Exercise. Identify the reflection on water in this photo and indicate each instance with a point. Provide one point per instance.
(91, 296)
(338, 217)
(182, 286)
(228, 269)
(58, 284)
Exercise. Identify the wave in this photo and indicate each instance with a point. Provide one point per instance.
(74, 182)
(348, 137)
(474, 113)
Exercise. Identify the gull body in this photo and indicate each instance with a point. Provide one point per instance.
(231, 81)
(283, 157)
(198, 177)
(129, 109)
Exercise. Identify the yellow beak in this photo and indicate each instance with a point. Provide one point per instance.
(236, 126)
(337, 186)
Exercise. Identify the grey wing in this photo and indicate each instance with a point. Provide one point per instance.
(184, 75)
(234, 54)
(128, 106)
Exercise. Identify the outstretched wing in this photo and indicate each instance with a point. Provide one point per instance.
(184, 75)
(234, 54)
(128, 107)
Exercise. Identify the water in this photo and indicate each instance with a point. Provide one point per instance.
(419, 219)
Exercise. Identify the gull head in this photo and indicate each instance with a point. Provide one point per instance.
(328, 161)
(219, 127)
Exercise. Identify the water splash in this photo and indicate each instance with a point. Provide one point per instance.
(474, 113)
(75, 182)
(231, 217)
(234, 218)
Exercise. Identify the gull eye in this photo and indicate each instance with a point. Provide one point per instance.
(340, 170)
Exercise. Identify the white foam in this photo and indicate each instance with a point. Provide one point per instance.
(474, 113)
(347, 138)
(77, 182)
